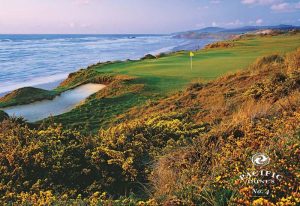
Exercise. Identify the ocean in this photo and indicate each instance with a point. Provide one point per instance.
(45, 60)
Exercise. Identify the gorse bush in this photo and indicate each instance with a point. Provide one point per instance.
(131, 147)
(65, 162)
(219, 45)
(34, 160)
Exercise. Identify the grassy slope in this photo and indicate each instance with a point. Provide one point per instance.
(173, 72)
(26, 95)
(169, 74)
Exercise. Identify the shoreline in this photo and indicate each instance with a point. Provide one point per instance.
(155, 80)
(189, 45)
(65, 54)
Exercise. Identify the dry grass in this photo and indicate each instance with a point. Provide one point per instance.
(293, 62)
(219, 45)
(273, 62)
(182, 169)
(289, 103)
(251, 110)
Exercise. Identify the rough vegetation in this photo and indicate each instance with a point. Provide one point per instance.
(26, 95)
(219, 45)
(84, 76)
(186, 149)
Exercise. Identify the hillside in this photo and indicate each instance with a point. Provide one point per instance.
(134, 83)
(186, 147)
(227, 33)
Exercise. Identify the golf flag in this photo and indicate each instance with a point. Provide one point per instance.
(191, 57)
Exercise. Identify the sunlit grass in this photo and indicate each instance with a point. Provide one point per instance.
(170, 74)
(174, 71)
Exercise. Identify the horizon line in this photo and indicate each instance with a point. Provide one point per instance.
(295, 25)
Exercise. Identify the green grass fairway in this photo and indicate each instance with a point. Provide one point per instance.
(173, 72)
(169, 74)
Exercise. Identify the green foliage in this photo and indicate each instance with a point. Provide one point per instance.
(3, 115)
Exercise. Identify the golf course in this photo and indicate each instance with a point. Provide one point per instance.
(133, 83)
(150, 103)
(157, 131)
(173, 73)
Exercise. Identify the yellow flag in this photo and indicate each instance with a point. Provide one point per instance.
(191, 57)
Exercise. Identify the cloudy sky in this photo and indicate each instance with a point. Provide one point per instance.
(141, 16)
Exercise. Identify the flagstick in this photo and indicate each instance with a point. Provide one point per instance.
(191, 63)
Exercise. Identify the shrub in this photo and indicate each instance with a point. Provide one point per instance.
(3, 115)
(267, 62)
(129, 148)
(51, 158)
(148, 56)
(219, 45)
(197, 86)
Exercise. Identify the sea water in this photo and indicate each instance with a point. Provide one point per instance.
(44, 60)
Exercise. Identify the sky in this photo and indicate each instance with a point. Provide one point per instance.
(140, 16)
